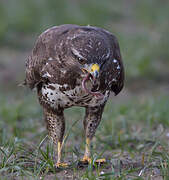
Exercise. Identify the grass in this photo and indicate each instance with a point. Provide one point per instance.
(134, 133)
(132, 136)
(141, 27)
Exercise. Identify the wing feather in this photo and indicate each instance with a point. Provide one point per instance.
(46, 59)
(50, 60)
(114, 69)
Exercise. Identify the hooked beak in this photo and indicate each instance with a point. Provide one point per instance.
(95, 74)
(93, 70)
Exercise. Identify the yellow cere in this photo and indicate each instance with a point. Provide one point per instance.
(95, 67)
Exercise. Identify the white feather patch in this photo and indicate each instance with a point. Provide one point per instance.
(118, 67)
(77, 53)
(46, 75)
(114, 60)
(50, 59)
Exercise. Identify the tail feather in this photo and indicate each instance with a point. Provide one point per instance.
(23, 84)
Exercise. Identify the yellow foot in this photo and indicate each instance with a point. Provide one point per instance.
(100, 161)
(62, 165)
(88, 160)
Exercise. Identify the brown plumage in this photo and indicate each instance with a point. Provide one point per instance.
(74, 65)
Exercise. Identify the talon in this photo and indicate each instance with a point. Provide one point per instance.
(101, 161)
(62, 165)
(86, 160)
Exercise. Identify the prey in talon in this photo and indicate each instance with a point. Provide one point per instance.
(72, 65)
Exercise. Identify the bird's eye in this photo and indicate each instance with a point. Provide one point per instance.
(81, 61)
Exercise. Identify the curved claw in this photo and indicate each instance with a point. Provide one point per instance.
(89, 160)
(100, 161)
(86, 160)
(61, 165)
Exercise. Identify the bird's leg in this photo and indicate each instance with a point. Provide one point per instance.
(86, 157)
(59, 147)
(59, 163)
(91, 121)
(56, 127)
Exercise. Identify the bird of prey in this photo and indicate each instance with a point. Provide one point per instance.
(73, 65)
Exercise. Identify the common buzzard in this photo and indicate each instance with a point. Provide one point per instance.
(73, 65)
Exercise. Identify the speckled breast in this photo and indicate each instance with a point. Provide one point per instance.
(58, 95)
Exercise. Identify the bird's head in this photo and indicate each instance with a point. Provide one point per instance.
(91, 52)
